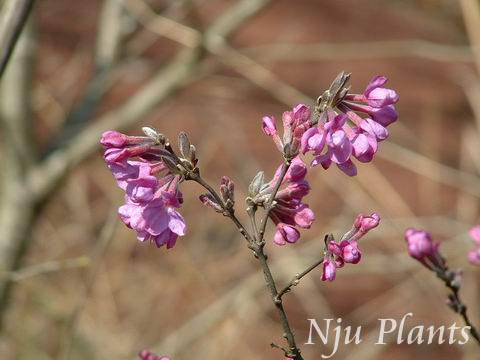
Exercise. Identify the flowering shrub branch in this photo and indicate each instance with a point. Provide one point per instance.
(151, 172)
(422, 248)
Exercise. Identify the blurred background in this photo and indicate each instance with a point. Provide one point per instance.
(75, 282)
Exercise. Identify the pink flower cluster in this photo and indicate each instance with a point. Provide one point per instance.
(150, 201)
(148, 355)
(474, 255)
(345, 134)
(422, 248)
(346, 251)
(289, 211)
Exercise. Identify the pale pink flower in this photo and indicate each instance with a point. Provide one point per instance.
(475, 234)
(422, 248)
(342, 135)
(474, 256)
(150, 201)
(329, 271)
(347, 251)
(289, 211)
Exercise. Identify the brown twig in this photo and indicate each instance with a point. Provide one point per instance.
(256, 243)
(456, 303)
(296, 279)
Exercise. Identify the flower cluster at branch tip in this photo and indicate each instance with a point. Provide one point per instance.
(341, 133)
(474, 255)
(337, 254)
(295, 123)
(150, 184)
(422, 248)
(148, 355)
(288, 212)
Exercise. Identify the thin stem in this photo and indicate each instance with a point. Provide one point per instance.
(458, 306)
(269, 203)
(293, 350)
(296, 279)
(258, 249)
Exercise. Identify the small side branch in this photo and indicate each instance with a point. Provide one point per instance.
(457, 305)
(296, 279)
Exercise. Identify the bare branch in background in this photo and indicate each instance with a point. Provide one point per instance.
(40, 181)
(361, 50)
(471, 16)
(13, 17)
(17, 208)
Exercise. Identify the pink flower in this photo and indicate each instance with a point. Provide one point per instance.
(342, 135)
(366, 223)
(150, 201)
(474, 256)
(289, 211)
(475, 234)
(422, 248)
(295, 123)
(148, 355)
(119, 147)
(329, 271)
(351, 254)
(285, 234)
(347, 250)
(377, 96)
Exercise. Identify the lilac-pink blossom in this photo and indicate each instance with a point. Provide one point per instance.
(151, 191)
(474, 255)
(285, 234)
(475, 234)
(422, 248)
(289, 211)
(347, 251)
(342, 135)
(329, 271)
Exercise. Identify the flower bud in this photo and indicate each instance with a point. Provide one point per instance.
(268, 125)
(285, 234)
(329, 271)
(209, 200)
(366, 223)
(350, 252)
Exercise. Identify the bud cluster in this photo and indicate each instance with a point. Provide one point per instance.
(337, 254)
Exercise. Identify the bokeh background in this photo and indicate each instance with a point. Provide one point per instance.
(82, 287)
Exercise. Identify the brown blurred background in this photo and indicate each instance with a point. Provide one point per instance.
(82, 286)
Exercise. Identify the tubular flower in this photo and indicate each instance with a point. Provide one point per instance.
(422, 248)
(295, 123)
(337, 254)
(151, 190)
(289, 212)
(341, 134)
(474, 255)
